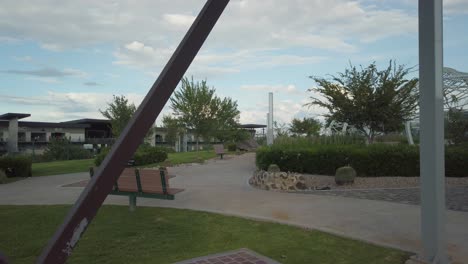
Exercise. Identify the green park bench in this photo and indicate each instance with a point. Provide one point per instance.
(146, 183)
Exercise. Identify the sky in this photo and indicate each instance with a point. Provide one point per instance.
(63, 60)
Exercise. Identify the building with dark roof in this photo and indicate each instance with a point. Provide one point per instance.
(25, 136)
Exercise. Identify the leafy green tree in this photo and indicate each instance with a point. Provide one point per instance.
(372, 101)
(197, 108)
(64, 149)
(174, 128)
(457, 126)
(119, 112)
(280, 129)
(306, 126)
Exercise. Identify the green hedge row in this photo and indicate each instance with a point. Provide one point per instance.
(372, 160)
(16, 166)
(143, 156)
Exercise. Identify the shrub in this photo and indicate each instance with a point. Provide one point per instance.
(144, 155)
(100, 157)
(16, 166)
(372, 160)
(3, 177)
(345, 175)
(274, 168)
(232, 147)
(149, 155)
(63, 149)
(287, 142)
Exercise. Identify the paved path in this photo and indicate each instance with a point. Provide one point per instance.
(456, 196)
(221, 186)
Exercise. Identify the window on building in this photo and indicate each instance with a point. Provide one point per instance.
(38, 136)
(57, 135)
(159, 138)
(21, 136)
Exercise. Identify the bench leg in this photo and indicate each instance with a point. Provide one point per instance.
(132, 202)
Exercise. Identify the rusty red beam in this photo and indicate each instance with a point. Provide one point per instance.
(80, 216)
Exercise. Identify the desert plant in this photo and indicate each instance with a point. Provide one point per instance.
(274, 168)
(345, 175)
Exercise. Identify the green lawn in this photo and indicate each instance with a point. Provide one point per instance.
(71, 166)
(164, 235)
(61, 167)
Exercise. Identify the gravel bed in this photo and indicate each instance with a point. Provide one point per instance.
(375, 182)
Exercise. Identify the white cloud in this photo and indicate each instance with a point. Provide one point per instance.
(52, 47)
(24, 58)
(50, 80)
(65, 106)
(283, 111)
(147, 31)
(139, 55)
(179, 20)
(49, 72)
(455, 6)
(288, 89)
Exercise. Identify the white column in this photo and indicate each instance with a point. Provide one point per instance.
(270, 134)
(13, 135)
(409, 136)
(432, 132)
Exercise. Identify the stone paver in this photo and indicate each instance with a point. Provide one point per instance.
(241, 256)
(456, 197)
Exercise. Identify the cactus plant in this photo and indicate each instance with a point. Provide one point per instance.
(273, 168)
(345, 175)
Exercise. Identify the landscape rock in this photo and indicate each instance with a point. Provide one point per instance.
(282, 181)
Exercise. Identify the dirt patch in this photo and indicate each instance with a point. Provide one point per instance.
(281, 215)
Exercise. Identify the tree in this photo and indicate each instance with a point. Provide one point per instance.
(372, 101)
(280, 129)
(457, 126)
(307, 126)
(174, 128)
(198, 109)
(119, 112)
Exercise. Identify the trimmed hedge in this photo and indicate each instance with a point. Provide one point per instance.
(373, 160)
(232, 147)
(143, 156)
(149, 155)
(16, 166)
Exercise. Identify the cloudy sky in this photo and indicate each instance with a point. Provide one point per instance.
(62, 60)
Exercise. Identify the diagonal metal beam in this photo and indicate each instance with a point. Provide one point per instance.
(80, 216)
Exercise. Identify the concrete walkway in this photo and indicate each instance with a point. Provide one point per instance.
(221, 186)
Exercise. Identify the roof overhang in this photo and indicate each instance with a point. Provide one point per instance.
(10, 116)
